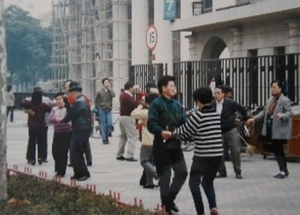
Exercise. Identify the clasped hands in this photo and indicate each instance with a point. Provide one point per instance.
(166, 135)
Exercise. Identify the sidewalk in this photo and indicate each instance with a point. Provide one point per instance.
(258, 193)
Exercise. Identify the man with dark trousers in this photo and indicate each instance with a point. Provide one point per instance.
(81, 117)
(87, 152)
(165, 113)
(227, 109)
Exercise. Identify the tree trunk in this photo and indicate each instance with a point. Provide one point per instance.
(3, 179)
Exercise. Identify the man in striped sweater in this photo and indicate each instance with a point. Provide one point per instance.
(205, 127)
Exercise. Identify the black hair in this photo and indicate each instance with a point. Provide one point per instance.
(279, 83)
(221, 87)
(128, 85)
(75, 86)
(227, 89)
(8, 88)
(36, 97)
(37, 88)
(150, 97)
(59, 94)
(149, 85)
(65, 98)
(104, 79)
(164, 81)
(203, 95)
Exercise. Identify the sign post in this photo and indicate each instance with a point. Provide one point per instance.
(151, 37)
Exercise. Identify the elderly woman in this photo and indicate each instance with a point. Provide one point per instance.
(277, 125)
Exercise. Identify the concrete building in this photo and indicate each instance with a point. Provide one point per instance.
(245, 29)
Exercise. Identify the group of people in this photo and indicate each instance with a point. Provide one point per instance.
(163, 125)
(71, 116)
(211, 126)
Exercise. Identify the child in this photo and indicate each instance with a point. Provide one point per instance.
(147, 141)
(62, 134)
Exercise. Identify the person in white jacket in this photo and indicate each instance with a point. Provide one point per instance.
(10, 102)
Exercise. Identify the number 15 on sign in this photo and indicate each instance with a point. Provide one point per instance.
(151, 37)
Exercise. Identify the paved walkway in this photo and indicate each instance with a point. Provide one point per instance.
(258, 193)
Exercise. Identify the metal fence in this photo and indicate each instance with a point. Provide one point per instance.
(142, 74)
(249, 77)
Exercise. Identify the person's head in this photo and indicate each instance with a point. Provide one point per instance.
(202, 96)
(166, 86)
(276, 87)
(228, 91)
(150, 97)
(219, 94)
(129, 87)
(67, 85)
(105, 83)
(8, 88)
(36, 97)
(37, 88)
(60, 99)
(75, 89)
(149, 86)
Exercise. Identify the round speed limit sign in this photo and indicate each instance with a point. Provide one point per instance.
(151, 37)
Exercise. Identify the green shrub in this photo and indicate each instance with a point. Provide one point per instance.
(52, 198)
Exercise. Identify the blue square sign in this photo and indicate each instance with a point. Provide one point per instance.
(169, 9)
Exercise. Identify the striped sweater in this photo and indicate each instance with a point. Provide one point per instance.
(205, 126)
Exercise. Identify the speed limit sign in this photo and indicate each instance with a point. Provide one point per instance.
(151, 37)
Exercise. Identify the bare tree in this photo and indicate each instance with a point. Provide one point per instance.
(3, 179)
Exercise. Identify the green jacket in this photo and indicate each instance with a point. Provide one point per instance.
(104, 99)
(164, 114)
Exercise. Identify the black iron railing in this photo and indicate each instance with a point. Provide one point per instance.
(249, 77)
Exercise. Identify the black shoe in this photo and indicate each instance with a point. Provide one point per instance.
(69, 165)
(105, 142)
(83, 178)
(33, 162)
(280, 176)
(143, 183)
(131, 159)
(174, 208)
(120, 158)
(150, 186)
(40, 161)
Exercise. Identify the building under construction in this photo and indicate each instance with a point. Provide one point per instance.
(91, 41)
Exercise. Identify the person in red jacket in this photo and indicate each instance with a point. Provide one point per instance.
(129, 133)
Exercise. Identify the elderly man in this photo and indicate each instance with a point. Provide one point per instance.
(227, 109)
(80, 115)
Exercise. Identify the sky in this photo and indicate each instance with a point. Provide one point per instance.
(35, 7)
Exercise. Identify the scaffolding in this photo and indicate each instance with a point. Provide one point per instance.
(94, 39)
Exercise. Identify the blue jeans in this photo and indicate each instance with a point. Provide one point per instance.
(105, 123)
(203, 171)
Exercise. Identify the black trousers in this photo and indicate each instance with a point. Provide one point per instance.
(79, 143)
(36, 135)
(10, 109)
(166, 160)
(43, 144)
(277, 147)
(60, 147)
